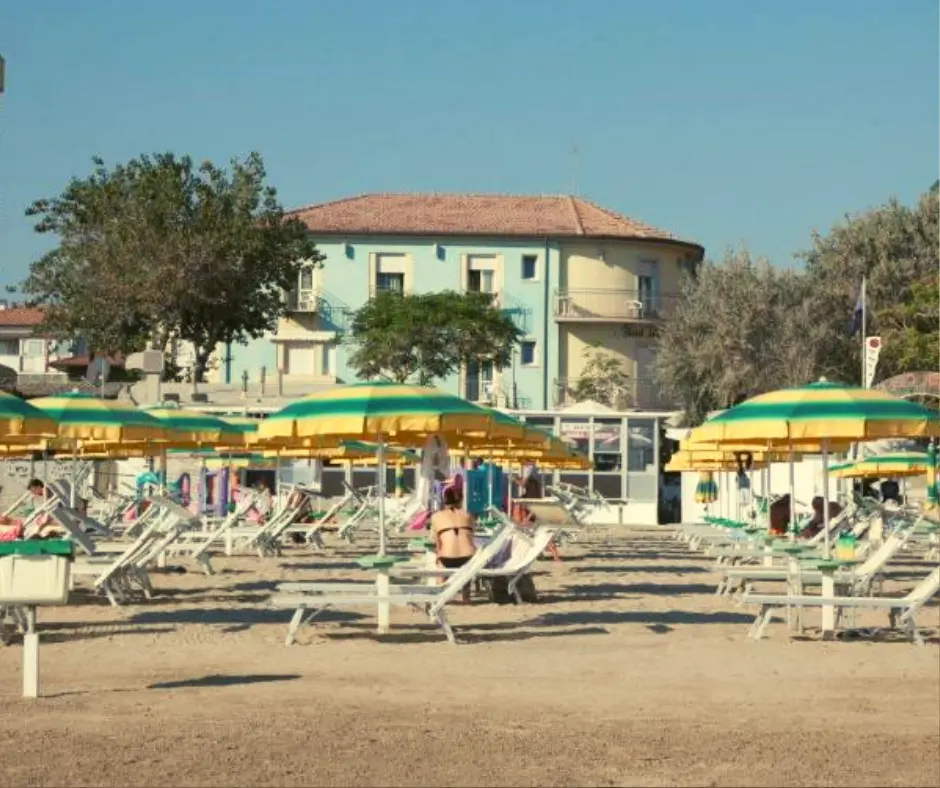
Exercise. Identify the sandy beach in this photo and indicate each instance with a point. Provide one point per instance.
(629, 671)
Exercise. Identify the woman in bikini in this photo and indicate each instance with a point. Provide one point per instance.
(453, 534)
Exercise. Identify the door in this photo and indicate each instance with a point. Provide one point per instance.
(648, 288)
(299, 359)
(479, 381)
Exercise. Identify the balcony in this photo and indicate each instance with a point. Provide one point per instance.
(305, 301)
(640, 394)
(332, 314)
(612, 306)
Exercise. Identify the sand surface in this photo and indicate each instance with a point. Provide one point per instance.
(628, 672)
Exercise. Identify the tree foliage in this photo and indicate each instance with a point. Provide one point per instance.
(160, 249)
(425, 337)
(743, 327)
(604, 379)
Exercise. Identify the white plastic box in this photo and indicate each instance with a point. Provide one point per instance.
(34, 579)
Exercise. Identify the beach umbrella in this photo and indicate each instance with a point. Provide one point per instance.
(706, 491)
(245, 426)
(933, 486)
(85, 420)
(185, 428)
(820, 414)
(20, 421)
(81, 417)
(367, 410)
(364, 411)
(888, 465)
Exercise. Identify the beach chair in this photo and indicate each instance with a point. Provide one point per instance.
(366, 500)
(514, 563)
(111, 571)
(857, 582)
(310, 599)
(901, 610)
(201, 542)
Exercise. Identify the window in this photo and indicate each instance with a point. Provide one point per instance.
(9, 347)
(390, 283)
(527, 356)
(325, 361)
(480, 281)
(530, 267)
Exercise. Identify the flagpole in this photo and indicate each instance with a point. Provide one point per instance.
(864, 331)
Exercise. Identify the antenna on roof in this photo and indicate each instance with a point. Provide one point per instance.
(575, 166)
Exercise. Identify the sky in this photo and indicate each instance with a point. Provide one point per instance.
(727, 122)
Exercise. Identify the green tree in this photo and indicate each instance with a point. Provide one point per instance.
(604, 379)
(723, 342)
(159, 248)
(895, 248)
(911, 331)
(425, 337)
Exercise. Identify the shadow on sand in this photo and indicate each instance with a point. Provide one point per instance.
(658, 617)
(224, 681)
(235, 619)
(670, 569)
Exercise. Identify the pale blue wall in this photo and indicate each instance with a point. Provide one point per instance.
(345, 279)
(251, 357)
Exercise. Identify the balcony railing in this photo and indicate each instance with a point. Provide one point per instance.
(639, 394)
(612, 305)
(303, 300)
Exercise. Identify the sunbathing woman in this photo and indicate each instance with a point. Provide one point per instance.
(453, 534)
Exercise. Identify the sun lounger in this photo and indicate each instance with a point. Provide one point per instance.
(310, 599)
(858, 582)
(900, 610)
(524, 549)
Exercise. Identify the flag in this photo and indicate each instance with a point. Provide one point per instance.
(855, 325)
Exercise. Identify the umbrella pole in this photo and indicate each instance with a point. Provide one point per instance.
(825, 491)
(380, 484)
(792, 512)
(72, 491)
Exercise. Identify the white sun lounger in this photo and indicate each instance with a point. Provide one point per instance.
(310, 599)
(524, 549)
(859, 581)
(900, 610)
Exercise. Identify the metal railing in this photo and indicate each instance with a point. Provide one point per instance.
(604, 305)
(303, 300)
(642, 394)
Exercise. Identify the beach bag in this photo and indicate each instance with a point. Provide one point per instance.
(498, 590)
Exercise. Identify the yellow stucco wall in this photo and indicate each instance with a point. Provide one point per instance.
(583, 268)
(577, 339)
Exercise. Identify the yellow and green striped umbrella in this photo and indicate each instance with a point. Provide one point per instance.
(366, 410)
(706, 491)
(81, 417)
(550, 452)
(888, 465)
(20, 421)
(353, 450)
(818, 412)
(680, 463)
(933, 486)
(194, 428)
(246, 427)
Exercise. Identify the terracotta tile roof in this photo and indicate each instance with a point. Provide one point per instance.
(20, 316)
(559, 216)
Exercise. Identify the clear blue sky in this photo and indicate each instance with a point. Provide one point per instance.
(725, 121)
